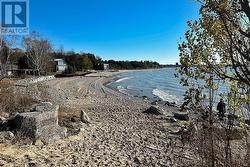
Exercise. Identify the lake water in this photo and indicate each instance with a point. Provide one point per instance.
(159, 84)
(154, 84)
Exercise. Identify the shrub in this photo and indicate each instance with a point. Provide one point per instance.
(13, 101)
(70, 69)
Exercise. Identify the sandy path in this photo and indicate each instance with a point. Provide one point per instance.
(119, 135)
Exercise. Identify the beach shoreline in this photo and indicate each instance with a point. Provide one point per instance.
(114, 73)
(120, 134)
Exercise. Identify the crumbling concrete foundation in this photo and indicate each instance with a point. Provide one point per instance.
(41, 123)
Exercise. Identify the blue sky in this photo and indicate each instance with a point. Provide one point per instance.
(115, 29)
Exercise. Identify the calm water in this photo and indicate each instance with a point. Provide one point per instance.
(157, 84)
(151, 83)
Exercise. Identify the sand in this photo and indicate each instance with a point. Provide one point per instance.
(120, 134)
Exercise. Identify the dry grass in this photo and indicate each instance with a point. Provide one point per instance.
(210, 145)
(67, 114)
(43, 92)
(69, 118)
(12, 101)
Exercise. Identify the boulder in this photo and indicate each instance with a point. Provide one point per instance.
(176, 130)
(2, 120)
(172, 120)
(183, 116)
(170, 104)
(154, 103)
(6, 137)
(247, 122)
(31, 164)
(2, 123)
(138, 160)
(8, 124)
(38, 142)
(155, 110)
(84, 117)
(43, 107)
(41, 124)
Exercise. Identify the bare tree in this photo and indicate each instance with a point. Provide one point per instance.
(6, 45)
(38, 51)
(61, 50)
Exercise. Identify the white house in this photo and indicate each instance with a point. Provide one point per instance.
(106, 67)
(60, 65)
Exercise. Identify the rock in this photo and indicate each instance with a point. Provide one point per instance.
(2, 120)
(154, 103)
(6, 159)
(2, 162)
(172, 104)
(40, 124)
(6, 137)
(172, 120)
(84, 117)
(167, 103)
(8, 124)
(73, 119)
(31, 164)
(81, 130)
(2, 123)
(183, 116)
(43, 107)
(247, 122)
(155, 110)
(38, 142)
(138, 160)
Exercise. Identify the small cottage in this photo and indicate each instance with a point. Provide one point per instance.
(60, 65)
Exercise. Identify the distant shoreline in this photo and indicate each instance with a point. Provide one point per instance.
(145, 69)
(114, 73)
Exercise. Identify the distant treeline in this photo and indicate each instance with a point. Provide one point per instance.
(37, 55)
(83, 61)
(127, 65)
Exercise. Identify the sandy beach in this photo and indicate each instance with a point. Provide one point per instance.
(120, 134)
